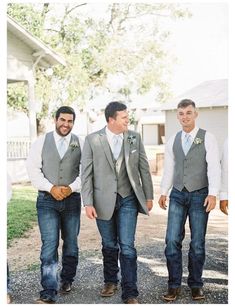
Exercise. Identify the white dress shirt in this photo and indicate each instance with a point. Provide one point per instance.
(110, 137)
(212, 159)
(224, 172)
(34, 164)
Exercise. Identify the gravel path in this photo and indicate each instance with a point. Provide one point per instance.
(152, 273)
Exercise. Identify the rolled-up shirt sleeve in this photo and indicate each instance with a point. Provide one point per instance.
(213, 163)
(34, 166)
(224, 173)
(169, 164)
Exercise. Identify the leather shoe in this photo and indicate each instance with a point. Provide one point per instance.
(197, 294)
(43, 300)
(9, 298)
(109, 289)
(172, 294)
(131, 300)
(65, 287)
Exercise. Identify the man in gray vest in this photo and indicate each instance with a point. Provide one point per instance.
(53, 167)
(192, 167)
(116, 185)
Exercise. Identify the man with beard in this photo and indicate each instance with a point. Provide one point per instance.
(53, 167)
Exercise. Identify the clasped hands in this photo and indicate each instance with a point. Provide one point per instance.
(59, 192)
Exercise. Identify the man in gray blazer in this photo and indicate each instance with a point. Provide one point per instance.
(116, 185)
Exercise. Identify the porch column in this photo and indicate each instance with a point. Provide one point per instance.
(32, 110)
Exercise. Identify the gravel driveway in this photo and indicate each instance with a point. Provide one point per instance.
(152, 273)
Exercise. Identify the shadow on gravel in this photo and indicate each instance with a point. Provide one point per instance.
(152, 278)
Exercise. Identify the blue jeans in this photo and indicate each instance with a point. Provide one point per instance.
(55, 216)
(118, 233)
(182, 205)
(8, 280)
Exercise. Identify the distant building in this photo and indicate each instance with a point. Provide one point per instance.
(211, 98)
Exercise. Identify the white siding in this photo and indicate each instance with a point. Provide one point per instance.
(150, 134)
(19, 59)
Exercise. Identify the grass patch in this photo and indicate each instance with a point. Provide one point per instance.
(21, 212)
(33, 267)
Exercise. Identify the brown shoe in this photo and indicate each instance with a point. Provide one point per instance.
(9, 298)
(197, 294)
(44, 301)
(109, 289)
(65, 287)
(131, 300)
(172, 294)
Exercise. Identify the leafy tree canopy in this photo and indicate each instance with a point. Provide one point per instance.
(99, 42)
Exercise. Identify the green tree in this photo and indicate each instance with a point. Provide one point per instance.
(127, 40)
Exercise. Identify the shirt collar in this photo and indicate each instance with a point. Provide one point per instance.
(110, 134)
(192, 133)
(57, 137)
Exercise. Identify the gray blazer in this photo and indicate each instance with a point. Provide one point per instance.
(99, 185)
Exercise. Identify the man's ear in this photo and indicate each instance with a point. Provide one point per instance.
(111, 120)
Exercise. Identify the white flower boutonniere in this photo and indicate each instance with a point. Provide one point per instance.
(131, 139)
(197, 141)
(74, 144)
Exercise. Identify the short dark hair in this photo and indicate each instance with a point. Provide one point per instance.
(112, 108)
(66, 110)
(185, 103)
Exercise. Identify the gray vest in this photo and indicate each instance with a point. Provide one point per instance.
(191, 170)
(60, 171)
(124, 187)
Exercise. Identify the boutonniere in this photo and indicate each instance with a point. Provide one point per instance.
(197, 141)
(73, 144)
(131, 139)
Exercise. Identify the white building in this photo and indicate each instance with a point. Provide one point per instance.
(211, 99)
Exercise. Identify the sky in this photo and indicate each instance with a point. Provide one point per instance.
(201, 45)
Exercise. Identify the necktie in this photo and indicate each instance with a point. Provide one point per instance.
(187, 143)
(116, 146)
(62, 147)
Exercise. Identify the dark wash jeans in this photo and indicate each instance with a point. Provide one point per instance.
(118, 233)
(55, 217)
(182, 205)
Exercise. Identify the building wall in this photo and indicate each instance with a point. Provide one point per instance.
(19, 59)
(215, 120)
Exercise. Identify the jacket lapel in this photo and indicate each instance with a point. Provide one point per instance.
(106, 147)
(126, 147)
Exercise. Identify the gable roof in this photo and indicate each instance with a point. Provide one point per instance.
(212, 93)
(49, 56)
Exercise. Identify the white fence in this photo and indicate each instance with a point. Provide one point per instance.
(18, 148)
(17, 152)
